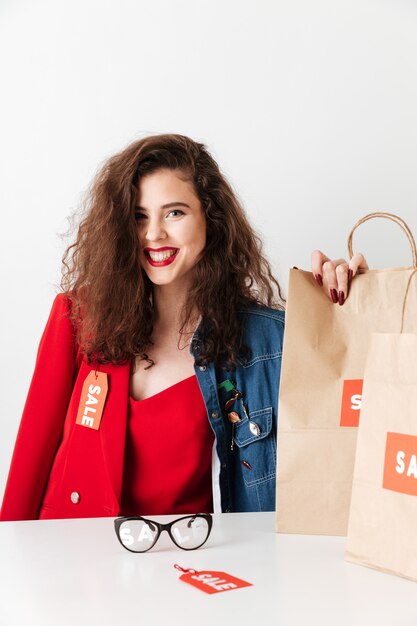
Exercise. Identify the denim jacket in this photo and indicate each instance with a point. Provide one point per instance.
(246, 450)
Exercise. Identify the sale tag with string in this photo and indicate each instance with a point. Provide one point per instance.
(92, 400)
(211, 582)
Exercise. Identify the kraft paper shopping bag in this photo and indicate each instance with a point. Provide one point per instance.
(383, 515)
(325, 347)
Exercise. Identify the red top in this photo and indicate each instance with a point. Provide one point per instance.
(168, 453)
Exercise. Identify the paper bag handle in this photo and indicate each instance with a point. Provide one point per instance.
(393, 218)
(407, 289)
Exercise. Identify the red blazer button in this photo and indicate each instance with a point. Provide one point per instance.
(75, 497)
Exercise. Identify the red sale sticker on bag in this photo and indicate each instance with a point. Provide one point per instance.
(351, 402)
(212, 582)
(400, 466)
(92, 400)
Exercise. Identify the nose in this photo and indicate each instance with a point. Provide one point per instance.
(155, 230)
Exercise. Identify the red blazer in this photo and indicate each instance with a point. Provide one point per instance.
(59, 468)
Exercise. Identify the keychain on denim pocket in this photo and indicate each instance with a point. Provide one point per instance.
(236, 396)
(253, 426)
(233, 416)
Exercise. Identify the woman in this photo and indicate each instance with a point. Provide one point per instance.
(155, 386)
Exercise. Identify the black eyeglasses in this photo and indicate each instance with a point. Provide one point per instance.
(139, 534)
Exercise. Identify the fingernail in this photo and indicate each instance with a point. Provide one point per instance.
(350, 274)
(319, 279)
(334, 296)
(341, 297)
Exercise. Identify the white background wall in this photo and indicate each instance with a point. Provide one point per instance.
(309, 107)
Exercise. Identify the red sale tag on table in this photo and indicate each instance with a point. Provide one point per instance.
(212, 582)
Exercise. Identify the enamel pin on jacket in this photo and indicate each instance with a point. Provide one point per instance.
(61, 469)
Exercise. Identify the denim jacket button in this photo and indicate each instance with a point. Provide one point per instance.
(215, 414)
(202, 368)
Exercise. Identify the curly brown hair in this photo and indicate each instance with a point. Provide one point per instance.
(111, 303)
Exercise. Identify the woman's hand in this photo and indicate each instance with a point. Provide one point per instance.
(335, 276)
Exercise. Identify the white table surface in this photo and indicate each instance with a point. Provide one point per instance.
(75, 573)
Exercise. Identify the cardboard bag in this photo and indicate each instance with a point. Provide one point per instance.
(325, 347)
(383, 515)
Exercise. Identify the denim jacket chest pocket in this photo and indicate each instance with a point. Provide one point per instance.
(254, 439)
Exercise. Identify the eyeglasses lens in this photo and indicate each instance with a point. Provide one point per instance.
(138, 535)
(190, 533)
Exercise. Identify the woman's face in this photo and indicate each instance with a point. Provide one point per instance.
(171, 227)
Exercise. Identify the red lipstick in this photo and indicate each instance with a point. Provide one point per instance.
(167, 261)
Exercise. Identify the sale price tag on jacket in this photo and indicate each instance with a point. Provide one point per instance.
(92, 400)
(212, 582)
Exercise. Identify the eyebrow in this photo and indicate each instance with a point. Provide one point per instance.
(166, 206)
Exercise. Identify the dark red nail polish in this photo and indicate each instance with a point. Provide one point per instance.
(247, 465)
(350, 274)
(341, 297)
(319, 279)
(334, 296)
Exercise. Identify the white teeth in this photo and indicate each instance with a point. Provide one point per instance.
(161, 256)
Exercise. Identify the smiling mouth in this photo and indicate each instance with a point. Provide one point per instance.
(161, 257)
